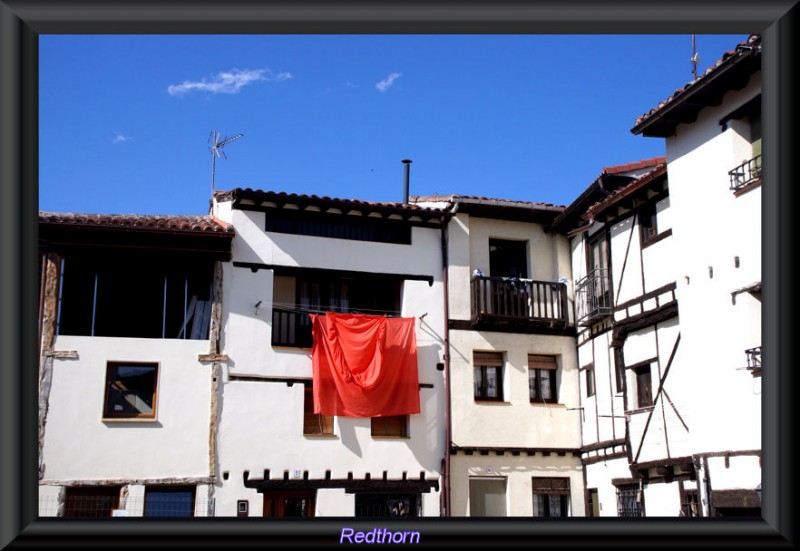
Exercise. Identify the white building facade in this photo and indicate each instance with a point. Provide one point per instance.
(292, 256)
(712, 128)
(514, 446)
(126, 375)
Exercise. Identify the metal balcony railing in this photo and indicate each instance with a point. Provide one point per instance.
(754, 360)
(746, 173)
(291, 328)
(505, 299)
(593, 296)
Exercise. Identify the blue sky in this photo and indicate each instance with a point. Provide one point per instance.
(125, 120)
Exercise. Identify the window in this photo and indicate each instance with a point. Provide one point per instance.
(488, 369)
(589, 374)
(487, 497)
(169, 501)
(689, 503)
(648, 227)
(386, 505)
(630, 501)
(91, 501)
(593, 504)
(130, 390)
(392, 425)
(318, 224)
(135, 295)
(314, 424)
(286, 503)
(508, 258)
(644, 391)
(550, 497)
(542, 378)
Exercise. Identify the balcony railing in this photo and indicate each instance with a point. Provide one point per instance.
(754, 360)
(593, 297)
(514, 300)
(291, 328)
(746, 173)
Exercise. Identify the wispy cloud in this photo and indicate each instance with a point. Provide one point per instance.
(227, 82)
(120, 137)
(386, 83)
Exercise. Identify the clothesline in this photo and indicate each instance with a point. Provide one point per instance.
(297, 309)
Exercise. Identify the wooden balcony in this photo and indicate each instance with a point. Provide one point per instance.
(518, 303)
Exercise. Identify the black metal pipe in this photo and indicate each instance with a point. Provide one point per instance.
(406, 162)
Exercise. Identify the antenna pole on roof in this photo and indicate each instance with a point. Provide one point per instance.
(215, 144)
(694, 60)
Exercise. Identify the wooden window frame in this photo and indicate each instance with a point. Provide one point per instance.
(588, 370)
(648, 223)
(523, 244)
(538, 367)
(550, 486)
(323, 423)
(639, 371)
(111, 416)
(390, 426)
(485, 361)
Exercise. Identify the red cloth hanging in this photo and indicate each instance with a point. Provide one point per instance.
(364, 366)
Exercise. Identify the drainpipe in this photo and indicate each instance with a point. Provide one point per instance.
(447, 414)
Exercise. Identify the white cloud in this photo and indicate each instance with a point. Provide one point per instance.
(386, 83)
(120, 137)
(227, 82)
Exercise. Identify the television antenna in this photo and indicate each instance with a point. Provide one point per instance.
(694, 60)
(216, 142)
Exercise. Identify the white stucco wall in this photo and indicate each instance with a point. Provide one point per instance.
(515, 421)
(517, 471)
(715, 227)
(80, 446)
(261, 422)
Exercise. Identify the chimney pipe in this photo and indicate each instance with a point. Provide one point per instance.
(406, 162)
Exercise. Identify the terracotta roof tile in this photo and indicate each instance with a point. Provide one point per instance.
(616, 169)
(283, 196)
(455, 197)
(626, 190)
(159, 222)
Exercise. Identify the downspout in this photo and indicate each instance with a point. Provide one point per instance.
(446, 358)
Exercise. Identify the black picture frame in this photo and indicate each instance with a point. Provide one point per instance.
(21, 21)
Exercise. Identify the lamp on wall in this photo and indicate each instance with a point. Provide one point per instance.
(257, 305)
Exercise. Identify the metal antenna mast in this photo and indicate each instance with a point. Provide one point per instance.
(694, 60)
(216, 142)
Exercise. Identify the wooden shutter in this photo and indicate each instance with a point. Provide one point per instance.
(542, 362)
(558, 486)
(488, 359)
(393, 425)
(314, 423)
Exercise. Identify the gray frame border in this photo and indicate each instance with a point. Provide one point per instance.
(21, 21)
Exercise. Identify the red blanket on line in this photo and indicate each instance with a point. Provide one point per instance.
(364, 366)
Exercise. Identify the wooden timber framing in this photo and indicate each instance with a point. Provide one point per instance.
(289, 381)
(528, 328)
(300, 271)
(215, 358)
(129, 481)
(349, 484)
(49, 313)
(502, 450)
(655, 398)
